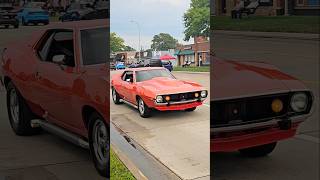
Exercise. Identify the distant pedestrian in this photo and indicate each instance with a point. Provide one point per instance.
(236, 12)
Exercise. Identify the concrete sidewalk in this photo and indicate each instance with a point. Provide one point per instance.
(278, 35)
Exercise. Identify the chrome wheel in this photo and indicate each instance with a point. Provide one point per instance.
(141, 106)
(100, 141)
(14, 106)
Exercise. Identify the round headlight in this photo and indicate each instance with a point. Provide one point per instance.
(159, 99)
(203, 94)
(299, 102)
(277, 105)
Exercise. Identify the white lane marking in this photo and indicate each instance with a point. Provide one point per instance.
(308, 138)
(208, 105)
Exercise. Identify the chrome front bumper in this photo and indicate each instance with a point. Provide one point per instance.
(179, 102)
(273, 122)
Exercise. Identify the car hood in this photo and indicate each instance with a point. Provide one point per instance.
(231, 79)
(163, 85)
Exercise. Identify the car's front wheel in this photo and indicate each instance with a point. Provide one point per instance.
(99, 144)
(259, 151)
(144, 110)
(19, 113)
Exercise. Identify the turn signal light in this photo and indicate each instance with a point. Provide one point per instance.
(196, 95)
(277, 105)
(167, 98)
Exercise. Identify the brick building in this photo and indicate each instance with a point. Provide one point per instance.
(194, 52)
(271, 7)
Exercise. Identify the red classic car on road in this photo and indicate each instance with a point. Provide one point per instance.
(254, 105)
(155, 88)
(58, 80)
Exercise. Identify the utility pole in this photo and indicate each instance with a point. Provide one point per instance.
(139, 37)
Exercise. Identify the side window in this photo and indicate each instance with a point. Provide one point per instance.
(128, 75)
(62, 45)
(58, 43)
(45, 45)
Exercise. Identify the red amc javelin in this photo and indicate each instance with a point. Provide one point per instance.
(58, 80)
(155, 88)
(253, 106)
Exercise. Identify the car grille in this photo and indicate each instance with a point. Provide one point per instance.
(246, 110)
(182, 96)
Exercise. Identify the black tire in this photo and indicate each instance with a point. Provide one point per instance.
(143, 109)
(20, 117)
(99, 155)
(115, 96)
(258, 151)
(46, 23)
(16, 26)
(6, 26)
(191, 109)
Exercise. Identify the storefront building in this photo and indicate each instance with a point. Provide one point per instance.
(194, 53)
(272, 7)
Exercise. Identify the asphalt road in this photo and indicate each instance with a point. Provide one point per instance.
(294, 159)
(40, 157)
(179, 140)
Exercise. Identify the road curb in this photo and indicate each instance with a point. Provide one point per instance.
(277, 35)
(129, 164)
(190, 72)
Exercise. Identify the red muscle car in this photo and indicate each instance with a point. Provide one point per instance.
(155, 88)
(58, 80)
(254, 105)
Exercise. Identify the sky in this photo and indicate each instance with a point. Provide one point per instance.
(153, 16)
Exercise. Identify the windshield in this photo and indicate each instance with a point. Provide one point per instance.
(149, 74)
(94, 45)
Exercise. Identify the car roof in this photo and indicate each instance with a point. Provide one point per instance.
(144, 68)
(80, 25)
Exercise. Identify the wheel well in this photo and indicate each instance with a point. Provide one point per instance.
(6, 81)
(86, 112)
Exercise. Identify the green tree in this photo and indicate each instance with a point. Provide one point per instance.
(116, 43)
(163, 42)
(197, 19)
(128, 48)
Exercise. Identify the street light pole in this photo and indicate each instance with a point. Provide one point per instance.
(139, 37)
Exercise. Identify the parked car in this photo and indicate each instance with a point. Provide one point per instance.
(8, 16)
(33, 15)
(120, 65)
(112, 66)
(168, 65)
(58, 83)
(8, 19)
(155, 88)
(136, 65)
(84, 11)
(266, 106)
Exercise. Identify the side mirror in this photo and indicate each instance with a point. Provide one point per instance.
(58, 59)
(128, 80)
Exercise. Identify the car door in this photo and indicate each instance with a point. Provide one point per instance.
(55, 76)
(128, 85)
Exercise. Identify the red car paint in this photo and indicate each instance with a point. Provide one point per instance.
(232, 80)
(61, 96)
(148, 90)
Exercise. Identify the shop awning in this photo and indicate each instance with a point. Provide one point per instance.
(184, 52)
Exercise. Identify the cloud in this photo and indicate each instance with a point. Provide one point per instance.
(154, 17)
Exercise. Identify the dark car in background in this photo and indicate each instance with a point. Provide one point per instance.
(86, 11)
(8, 16)
(156, 62)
